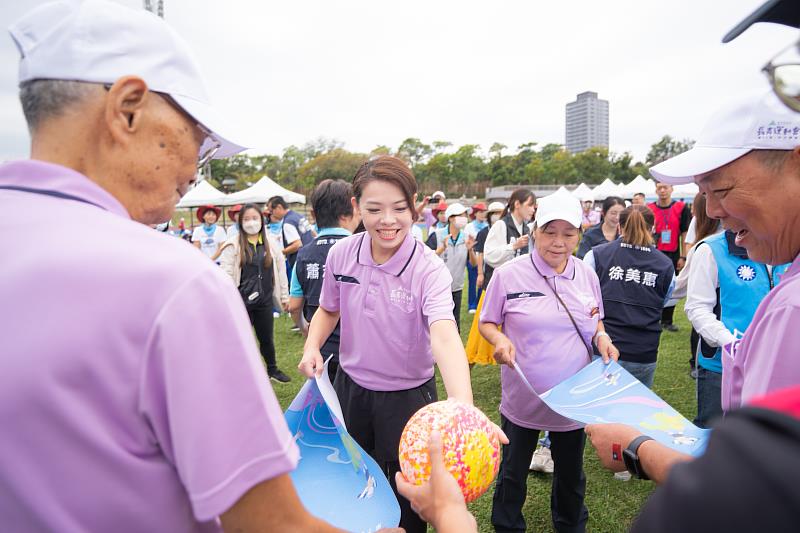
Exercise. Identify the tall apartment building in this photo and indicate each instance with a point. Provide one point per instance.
(587, 122)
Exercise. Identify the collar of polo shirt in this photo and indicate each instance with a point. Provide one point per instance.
(399, 261)
(547, 270)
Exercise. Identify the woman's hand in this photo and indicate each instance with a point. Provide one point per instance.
(479, 281)
(607, 349)
(311, 364)
(522, 242)
(470, 242)
(504, 352)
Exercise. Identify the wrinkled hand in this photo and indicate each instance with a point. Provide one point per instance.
(604, 436)
(522, 242)
(311, 364)
(439, 498)
(607, 349)
(479, 281)
(504, 352)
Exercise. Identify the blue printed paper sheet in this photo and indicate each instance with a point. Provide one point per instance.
(601, 393)
(335, 479)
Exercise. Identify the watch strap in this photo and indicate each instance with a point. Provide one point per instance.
(631, 457)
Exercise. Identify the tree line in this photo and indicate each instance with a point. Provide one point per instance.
(464, 170)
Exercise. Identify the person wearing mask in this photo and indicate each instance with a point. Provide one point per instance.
(478, 349)
(255, 264)
(672, 222)
(336, 220)
(636, 280)
(392, 299)
(590, 216)
(607, 230)
(434, 231)
(233, 215)
(209, 237)
(550, 308)
(452, 249)
(160, 427)
(725, 288)
(477, 223)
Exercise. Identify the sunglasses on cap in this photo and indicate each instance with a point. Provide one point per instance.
(783, 72)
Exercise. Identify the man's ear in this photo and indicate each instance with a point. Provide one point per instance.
(125, 103)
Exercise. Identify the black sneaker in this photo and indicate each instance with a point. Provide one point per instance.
(670, 327)
(279, 376)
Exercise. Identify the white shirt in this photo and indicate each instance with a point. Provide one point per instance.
(701, 297)
(496, 251)
(691, 233)
(290, 233)
(209, 244)
(416, 232)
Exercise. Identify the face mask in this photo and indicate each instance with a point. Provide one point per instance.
(251, 227)
(460, 222)
(493, 218)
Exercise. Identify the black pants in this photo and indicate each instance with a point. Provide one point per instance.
(376, 420)
(457, 308)
(694, 340)
(569, 482)
(261, 318)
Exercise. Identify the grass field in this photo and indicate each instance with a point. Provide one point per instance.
(612, 504)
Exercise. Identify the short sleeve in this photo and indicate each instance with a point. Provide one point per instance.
(290, 232)
(437, 297)
(197, 234)
(494, 300)
(329, 295)
(206, 396)
(295, 289)
(686, 218)
(220, 235)
(480, 241)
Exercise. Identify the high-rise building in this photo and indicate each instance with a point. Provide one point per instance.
(587, 123)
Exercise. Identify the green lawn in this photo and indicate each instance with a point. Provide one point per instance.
(612, 504)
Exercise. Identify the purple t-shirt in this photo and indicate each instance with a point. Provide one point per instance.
(386, 310)
(548, 349)
(132, 394)
(766, 359)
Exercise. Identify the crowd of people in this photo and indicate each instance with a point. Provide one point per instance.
(148, 415)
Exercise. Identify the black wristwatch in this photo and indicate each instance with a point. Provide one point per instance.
(631, 457)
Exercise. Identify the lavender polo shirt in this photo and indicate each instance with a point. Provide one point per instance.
(547, 346)
(132, 396)
(386, 310)
(766, 359)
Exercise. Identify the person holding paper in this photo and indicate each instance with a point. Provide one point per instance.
(550, 308)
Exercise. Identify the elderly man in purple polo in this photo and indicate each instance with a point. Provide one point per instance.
(116, 418)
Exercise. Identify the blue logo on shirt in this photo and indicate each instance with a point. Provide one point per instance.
(746, 273)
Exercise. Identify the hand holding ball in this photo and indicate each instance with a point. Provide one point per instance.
(471, 446)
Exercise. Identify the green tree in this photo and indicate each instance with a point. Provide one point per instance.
(334, 164)
(666, 148)
(414, 152)
(592, 165)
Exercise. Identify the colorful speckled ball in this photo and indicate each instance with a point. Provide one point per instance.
(471, 447)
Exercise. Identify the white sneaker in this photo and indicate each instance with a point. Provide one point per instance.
(542, 460)
(622, 476)
(276, 314)
(472, 311)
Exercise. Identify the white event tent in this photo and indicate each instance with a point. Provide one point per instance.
(261, 191)
(640, 185)
(582, 191)
(202, 194)
(605, 189)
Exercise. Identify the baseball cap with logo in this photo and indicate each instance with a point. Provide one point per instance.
(760, 122)
(561, 205)
(100, 41)
(777, 11)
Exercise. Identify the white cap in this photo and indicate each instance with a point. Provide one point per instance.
(440, 194)
(587, 197)
(495, 207)
(757, 122)
(455, 209)
(561, 205)
(100, 41)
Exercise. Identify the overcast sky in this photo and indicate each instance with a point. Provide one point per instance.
(376, 72)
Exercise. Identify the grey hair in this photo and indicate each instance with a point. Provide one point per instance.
(772, 159)
(45, 99)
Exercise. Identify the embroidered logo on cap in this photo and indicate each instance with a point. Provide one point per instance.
(746, 273)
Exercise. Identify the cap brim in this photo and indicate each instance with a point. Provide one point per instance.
(206, 115)
(778, 11)
(701, 159)
(569, 217)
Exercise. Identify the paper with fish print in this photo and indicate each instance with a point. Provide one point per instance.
(601, 393)
(336, 480)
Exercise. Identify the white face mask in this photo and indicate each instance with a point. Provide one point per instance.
(460, 222)
(494, 217)
(251, 227)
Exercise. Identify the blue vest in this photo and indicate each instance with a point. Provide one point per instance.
(634, 282)
(743, 283)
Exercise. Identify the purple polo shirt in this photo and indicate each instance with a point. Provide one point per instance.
(386, 310)
(132, 394)
(547, 346)
(766, 359)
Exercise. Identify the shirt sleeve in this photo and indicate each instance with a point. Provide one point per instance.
(494, 301)
(207, 398)
(329, 295)
(197, 234)
(496, 251)
(295, 290)
(691, 233)
(589, 259)
(480, 241)
(701, 298)
(290, 232)
(220, 235)
(437, 297)
(686, 218)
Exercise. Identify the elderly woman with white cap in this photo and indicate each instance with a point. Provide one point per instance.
(550, 308)
(452, 248)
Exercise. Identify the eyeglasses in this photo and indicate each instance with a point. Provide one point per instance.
(783, 72)
(210, 145)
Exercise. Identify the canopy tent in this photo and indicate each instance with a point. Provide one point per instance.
(687, 191)
(262, 191)
(605, 189)
(639, 185)
(202, 194)
(582, 191)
